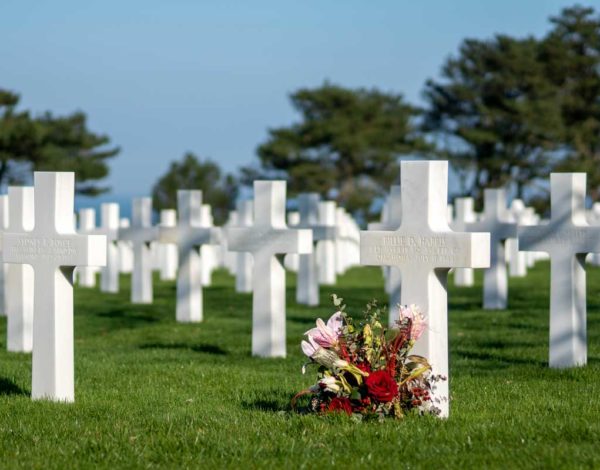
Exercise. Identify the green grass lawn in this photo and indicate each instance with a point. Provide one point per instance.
(154, 393)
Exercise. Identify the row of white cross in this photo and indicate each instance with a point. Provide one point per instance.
(417, 244)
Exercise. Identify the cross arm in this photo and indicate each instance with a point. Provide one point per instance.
(437, 249)
(63, 250)
(138, 234)
(276, 241)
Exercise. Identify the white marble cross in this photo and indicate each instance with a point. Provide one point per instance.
(268, 237)
(391, 221)
(326, 248)
(109, 227)
(209, 252)
(307, 285)
(125, 249)
(53, 249)
(593, 218)
(498, 221)
(229, 258)
(141, 233)
(244, 262)
(567, 238)
(167, 252)
(465, 214)
(87, 225)
(291, 260)
(3, 268)
(189, 236)
(19, 277)
(517, 260)
(424, 248)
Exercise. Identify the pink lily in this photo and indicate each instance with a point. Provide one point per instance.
(326, 335)
(419, 323)
(327, 357)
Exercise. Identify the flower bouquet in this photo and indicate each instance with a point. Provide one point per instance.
(366, 371)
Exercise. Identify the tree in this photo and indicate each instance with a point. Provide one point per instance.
(50, 143)
(571, 51)
(218, 189)
(346, 144)
(494, 114)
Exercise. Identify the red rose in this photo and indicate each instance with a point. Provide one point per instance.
(340, 404)
(381, 386)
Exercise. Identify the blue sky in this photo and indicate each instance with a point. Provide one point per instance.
(164, 77)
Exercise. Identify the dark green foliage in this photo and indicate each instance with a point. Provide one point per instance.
(151, 393)
(498, 111)
(508, 111)
(51, 143)
(218, 189)
(345, 146)
(572, 52)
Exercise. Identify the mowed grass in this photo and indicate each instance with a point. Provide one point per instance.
(151, 393)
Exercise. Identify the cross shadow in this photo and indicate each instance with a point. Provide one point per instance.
(8, 387)
(127, 318)
(491, 361)
(270, 406)
(201, 348)
(303, 320)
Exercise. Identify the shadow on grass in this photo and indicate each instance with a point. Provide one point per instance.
(201, 348)
(8, 387)
(270, 406)
(303, 320)
(490, 361)
(128, 317)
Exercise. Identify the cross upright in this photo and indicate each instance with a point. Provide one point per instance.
(141, 233)
(189, 236)
(567, 238)
(424, 248)
(3, 269)
(307, 287)
(517, 266)
(326, 252)
(498, 221)
(268, 237)
(87, 225)
(53, 249)
(210, 251)
(465, 214)
(109, 227)
(167, 252)
(19, 277)
(391, 221)
(243, 261)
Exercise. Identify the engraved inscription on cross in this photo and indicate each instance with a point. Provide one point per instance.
(189, 235)
(53, 249)
(268, 237)
(424, 248)
(567, 238)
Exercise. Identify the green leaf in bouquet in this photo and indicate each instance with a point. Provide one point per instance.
(355, 395)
